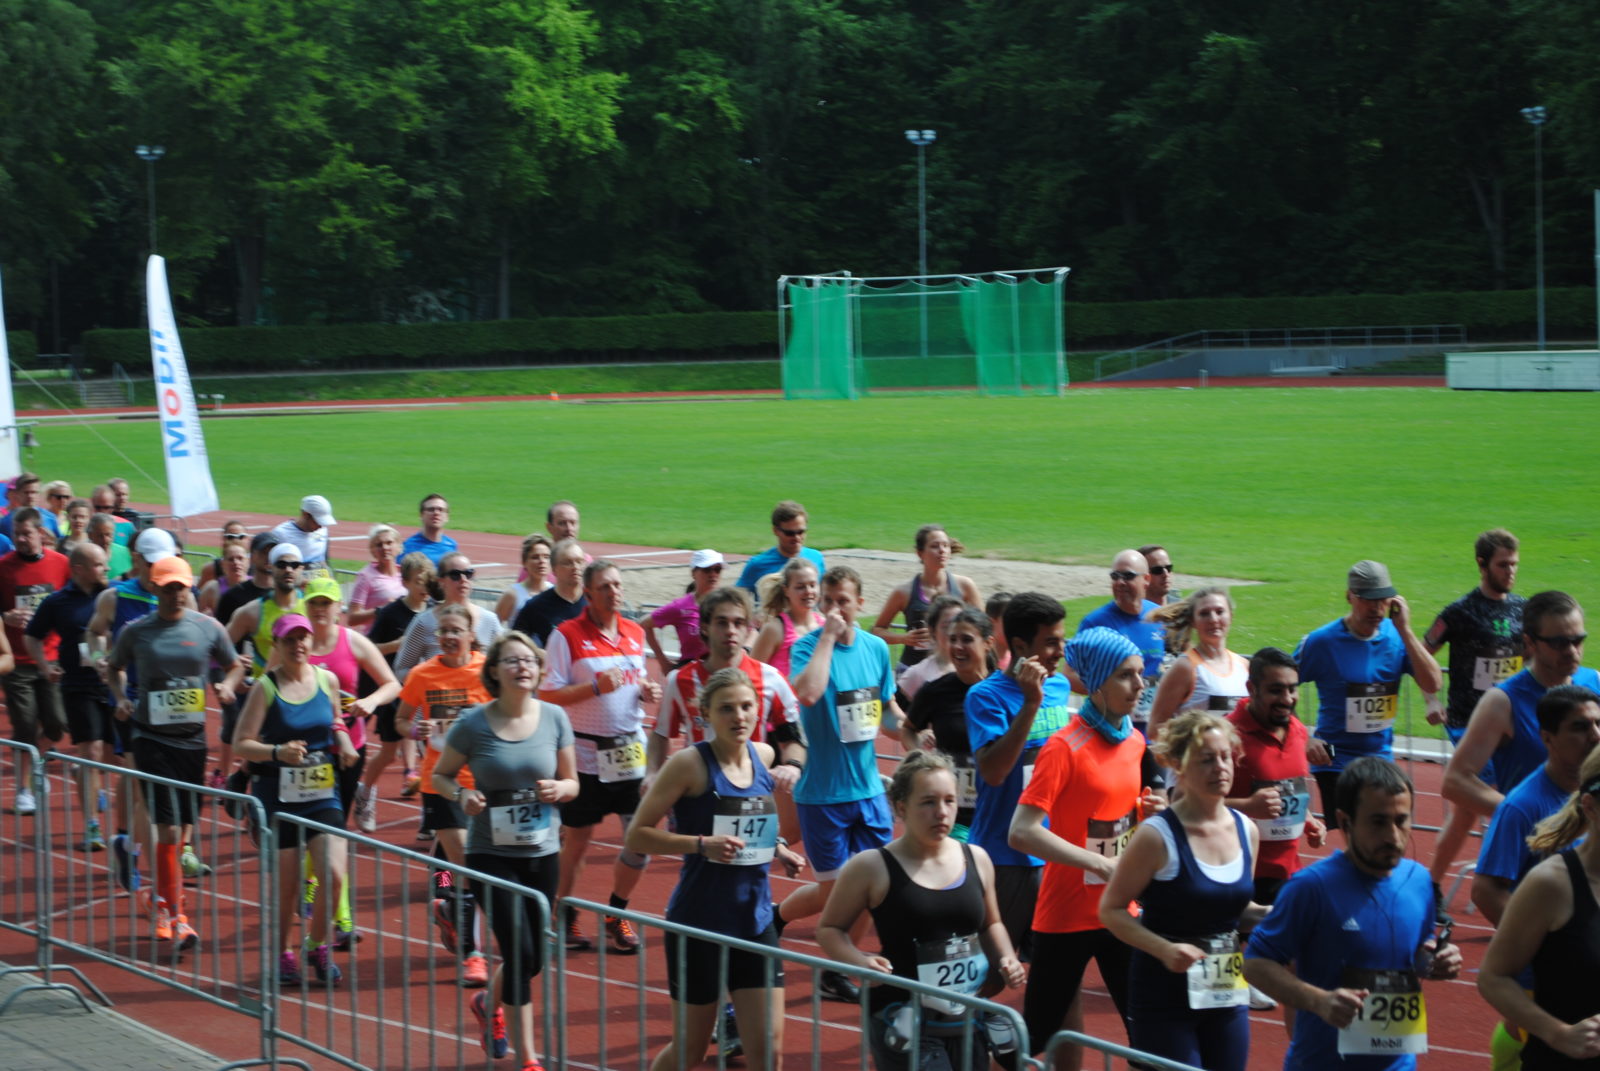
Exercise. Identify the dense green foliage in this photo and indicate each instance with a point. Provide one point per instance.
(350, 161)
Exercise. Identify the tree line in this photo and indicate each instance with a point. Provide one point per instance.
(331, 161)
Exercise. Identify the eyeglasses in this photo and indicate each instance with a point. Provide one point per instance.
(1160, 570)
(530, 661)
(459, 574)
(1123, 574)
(1561, 643)
(286, 564)
(792, 532)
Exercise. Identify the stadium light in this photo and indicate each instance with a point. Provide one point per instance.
(150, 154)
(1536, 117)
(922, 139)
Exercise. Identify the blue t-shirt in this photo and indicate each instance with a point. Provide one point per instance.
(859, 675)
(432, 549)
(1356, 679)
(992, 705)
(46, 518)
(770, 561)
(1332, 916)
(1515, 759)
(1149, 636)
(1505, 853)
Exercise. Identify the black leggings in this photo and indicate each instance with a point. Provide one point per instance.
(1059, 960)
(516, 925)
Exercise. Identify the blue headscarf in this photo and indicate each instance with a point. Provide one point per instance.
(1094, 654)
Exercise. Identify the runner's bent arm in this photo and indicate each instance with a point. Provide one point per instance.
(1176, 685)
(1488, 726)
(376, 666)
(1136, 869)
(1029, 834)
(863, 883)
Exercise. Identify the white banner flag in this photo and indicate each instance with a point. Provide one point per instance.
(10, 458)
(182, 442)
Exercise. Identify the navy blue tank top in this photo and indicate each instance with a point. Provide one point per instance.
(311, 721)
(133, 602)
(730, 898)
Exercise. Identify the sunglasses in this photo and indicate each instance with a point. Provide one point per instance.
(290, 565)
(792, 532)
(229, 537)
(1160, 570)
(459, 574)
(1123, 574)
(58, 494)
(1561, 643)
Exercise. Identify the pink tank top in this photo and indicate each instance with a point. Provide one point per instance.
(341, 662)
(780, 657)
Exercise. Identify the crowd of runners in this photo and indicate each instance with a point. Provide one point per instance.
(1050, 780)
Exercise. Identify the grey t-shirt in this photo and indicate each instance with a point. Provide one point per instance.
(172, 659)
(503, 768)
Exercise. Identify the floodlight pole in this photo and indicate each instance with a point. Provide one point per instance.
(1536, 117)
(150, 154)
(1597, 261)
(922, 139)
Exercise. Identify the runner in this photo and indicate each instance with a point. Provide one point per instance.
(62, 618)
(255, 585)
(932, 901)
(561, 602)
(942, 610)
(596, 672)
(934, 548)
(230, 570)
(379, 582)
(171, 649)
(102, 532)
(1272, 778)
(1356, 663)
(1483, 629)
(309, 531)
(725, 825)
(1010, 716)
(789, 526)
(233, 534)
(1160, 591)
(431, 541)
(455, 584)
(1206, 675)
(536, 554)
(1128, 613)
(845, 684)
(434, 695)
(1552, 925)
(524, 767)
(1351, 937)
(57, 501)
(416, 573)
(23, 493)
(292, 732)
(1087, 783)
(252, 622)
(76, 529)
(788, 600)
(938, 718)
(105, 501)
(683, 613)
(28, 575)
(1191, 868)
(561, 520)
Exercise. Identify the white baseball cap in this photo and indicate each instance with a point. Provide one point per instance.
(320, 510)
(282, 551)
(705, 559)
(154, 544)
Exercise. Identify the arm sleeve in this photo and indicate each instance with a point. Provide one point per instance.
(670, 714)
(222, 648)
(986, 722)
(564, 737)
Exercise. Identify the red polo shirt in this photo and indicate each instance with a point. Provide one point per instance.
(1267, 760)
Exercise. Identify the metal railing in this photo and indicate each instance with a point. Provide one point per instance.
(1279, 338)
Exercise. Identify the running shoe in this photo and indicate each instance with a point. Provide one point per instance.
(344, 935)
(26, 804)
(474, 972)
(624, 938)
(366, 809)
(424, 835)
(289, 969)
(731, 1045)
(100, 801)
(836, 986)
(161, 921)
(577, 940)
(1259, 1001)
(125, 863)
(328, 972)
(93, 839)
(493, 1034)
(183, 934)
(192, 866)
(411, 785)
(533, 1065)
(444, 920)
(216, 780)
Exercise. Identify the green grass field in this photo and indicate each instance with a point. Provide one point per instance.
(1288, 486)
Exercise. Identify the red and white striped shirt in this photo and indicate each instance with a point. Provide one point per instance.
(681, 714)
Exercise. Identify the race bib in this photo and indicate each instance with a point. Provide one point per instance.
(1109, 839)
(1295, 795)
(311, 780)
(1491, 670)
(441, 716)
(958, 964)
(518, 820)
(860, 714)
(1392, 1020)
(1216, 980)
(1371, 708)
(754, 820)
(1030, 755)
(182, 702)
(29, 598)
(966, 782)
(1222, 704)
(620, 760)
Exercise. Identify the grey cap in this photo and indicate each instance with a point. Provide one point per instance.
(1370, 580)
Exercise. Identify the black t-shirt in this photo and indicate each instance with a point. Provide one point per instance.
(942, 704)
(1485, 638)
(541, 614)
(237, 596)
(388, 625)
(67, 614)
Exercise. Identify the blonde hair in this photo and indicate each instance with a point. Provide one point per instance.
(772, 589)
(1182, 735)
(380, 529)
(728, 677)
(1567, 825)
(914, 763)
(1178, 617)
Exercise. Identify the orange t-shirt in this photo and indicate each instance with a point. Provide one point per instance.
(1090, 790)
(440, 692)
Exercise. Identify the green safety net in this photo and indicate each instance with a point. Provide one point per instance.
(818, 359)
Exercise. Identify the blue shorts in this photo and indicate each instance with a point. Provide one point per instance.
(833, 832)
(1455, 735)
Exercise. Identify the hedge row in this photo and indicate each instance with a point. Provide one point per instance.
(692, 336)
(22, 346)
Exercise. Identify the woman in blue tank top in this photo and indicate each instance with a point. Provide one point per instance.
(1192, 867)
(725, 825)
